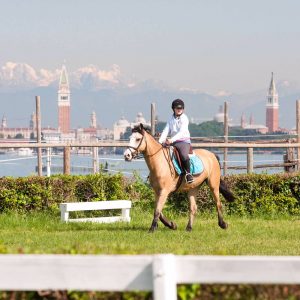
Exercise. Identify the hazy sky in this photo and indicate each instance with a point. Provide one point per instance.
(208, 45)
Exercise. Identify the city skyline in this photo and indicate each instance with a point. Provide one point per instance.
(87, 92)
(214, 47)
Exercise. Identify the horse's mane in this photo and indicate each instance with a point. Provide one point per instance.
(139, 128)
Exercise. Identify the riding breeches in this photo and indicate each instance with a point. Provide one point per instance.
(183, 149)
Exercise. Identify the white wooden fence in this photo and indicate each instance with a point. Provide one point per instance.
(157, 273)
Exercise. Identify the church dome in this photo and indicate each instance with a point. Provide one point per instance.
(219, 117)
(123, 122)
(139, 118)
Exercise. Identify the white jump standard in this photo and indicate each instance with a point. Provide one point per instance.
(124, 205)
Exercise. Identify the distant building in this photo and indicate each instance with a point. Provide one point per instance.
(121, 125)
(272, 108)
(24, 132)
(252, 126)
(64, 102)
(4, 122)
(243, 121)
(93, 123)
(32, 123)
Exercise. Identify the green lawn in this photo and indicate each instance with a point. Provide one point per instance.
(45, 233)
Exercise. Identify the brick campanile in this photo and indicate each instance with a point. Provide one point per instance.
(272, 108)
(64, 102)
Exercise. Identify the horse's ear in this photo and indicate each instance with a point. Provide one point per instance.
(141, 126)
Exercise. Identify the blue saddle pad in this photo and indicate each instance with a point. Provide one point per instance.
(196, 165)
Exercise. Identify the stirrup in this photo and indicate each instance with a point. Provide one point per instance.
(189, 178)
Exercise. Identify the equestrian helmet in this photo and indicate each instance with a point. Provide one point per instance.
(177, 103)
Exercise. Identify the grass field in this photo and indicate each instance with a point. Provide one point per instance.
(45, 233)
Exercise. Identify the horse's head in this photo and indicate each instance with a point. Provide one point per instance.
(137, 142)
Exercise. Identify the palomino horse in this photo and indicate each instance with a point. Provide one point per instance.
(164, 179)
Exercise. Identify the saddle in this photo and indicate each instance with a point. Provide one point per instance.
(195, 161)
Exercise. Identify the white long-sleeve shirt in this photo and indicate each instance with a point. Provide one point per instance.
(177, 128)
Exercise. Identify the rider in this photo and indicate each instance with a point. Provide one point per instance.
(178, 129)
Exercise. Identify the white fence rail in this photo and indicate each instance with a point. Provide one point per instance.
(157, 273)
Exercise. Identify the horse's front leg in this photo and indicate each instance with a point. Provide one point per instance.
(160, 200)
(193, 208)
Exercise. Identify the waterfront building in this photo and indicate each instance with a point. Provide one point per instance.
(252, 126)
(272, 107)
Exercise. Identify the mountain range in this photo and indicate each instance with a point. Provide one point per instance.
(111, 96)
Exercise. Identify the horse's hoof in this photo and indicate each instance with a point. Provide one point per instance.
(188, 228)
(173, 226)
(223, 225)
(153, 228)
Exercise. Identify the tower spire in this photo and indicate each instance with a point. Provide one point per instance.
(272, 88)
(272, 107)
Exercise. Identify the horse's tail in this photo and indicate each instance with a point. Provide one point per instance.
(224, 190)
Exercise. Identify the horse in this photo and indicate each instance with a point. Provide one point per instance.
(164, 179)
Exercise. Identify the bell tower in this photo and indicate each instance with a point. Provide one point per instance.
(64, 102)
(272, 108)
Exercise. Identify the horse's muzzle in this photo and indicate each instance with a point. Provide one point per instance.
(127, 155)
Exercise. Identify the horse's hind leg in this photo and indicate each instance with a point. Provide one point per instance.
(167, 223)
(193, 208)
(214, 187)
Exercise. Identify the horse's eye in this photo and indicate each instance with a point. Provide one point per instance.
(138, 140)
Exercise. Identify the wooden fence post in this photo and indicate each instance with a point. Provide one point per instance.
(153, 119)
(95, 160)
(225, 138)
(164, 277)
(298, 132)
(67, 156)
(249, 160)
(38, 134)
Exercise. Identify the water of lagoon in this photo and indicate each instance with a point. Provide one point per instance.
(20, 166)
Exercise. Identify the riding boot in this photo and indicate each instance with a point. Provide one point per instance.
(187, 167)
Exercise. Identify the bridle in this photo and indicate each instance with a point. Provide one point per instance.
(137, 152)
(166, 154)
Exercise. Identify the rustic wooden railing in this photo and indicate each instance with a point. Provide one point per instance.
(292, 163)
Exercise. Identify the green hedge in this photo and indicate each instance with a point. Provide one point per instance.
(267, 194)
(39, 193)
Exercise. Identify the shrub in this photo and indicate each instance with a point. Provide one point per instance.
(267, 194)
